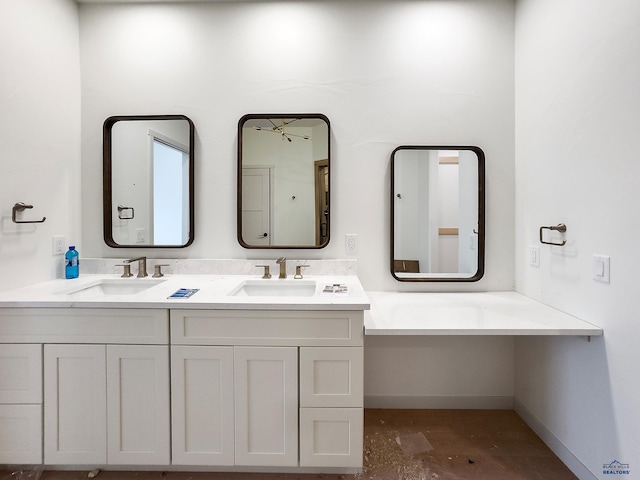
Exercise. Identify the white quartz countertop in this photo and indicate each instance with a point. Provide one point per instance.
(213, 293)
(477, 313)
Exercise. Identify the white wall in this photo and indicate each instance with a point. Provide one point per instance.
(385, 73)
(39, 136)
(577, 143)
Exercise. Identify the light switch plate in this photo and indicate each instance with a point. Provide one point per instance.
(601, 268)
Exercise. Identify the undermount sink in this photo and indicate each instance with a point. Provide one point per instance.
(115, 286)
(275, 288)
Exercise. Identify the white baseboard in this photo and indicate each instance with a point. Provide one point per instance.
(439, 402)
(556, 446)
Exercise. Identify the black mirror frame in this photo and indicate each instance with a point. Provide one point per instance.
(241, 122)
(481, 213)
(107, 178)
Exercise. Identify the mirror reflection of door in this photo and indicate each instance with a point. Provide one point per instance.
(445, 196)
(169, 223)
(322, 200)
(256, 205)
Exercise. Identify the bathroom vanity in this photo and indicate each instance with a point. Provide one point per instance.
(228, 379)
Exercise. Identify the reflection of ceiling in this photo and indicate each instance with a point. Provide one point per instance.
(283, 127)
(299, 122)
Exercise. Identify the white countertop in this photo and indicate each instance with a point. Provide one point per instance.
(213, 294)
(391, 313)
(477, 313)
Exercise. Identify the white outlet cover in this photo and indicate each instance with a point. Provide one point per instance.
(58, 245)
(351, 243)
(534, 255)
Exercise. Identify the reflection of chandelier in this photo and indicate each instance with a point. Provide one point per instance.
(280, 129)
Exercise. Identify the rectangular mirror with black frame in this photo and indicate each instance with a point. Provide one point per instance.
(283, 181)
(148, 163)
(437, 213)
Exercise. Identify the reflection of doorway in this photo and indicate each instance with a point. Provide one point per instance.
(256, 202)
(169, 216)
(321, 181)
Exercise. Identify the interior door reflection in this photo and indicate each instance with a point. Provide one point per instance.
(256, 205)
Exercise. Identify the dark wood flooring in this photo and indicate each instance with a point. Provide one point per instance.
(407, 445)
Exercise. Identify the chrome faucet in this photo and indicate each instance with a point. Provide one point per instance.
(142, 265)
(282, 261)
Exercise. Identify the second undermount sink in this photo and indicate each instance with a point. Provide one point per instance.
(275, 288)
(115, 286)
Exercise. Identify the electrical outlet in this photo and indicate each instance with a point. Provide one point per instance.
(534, 256)
(140, 235)
(58, 245)
(351, 243)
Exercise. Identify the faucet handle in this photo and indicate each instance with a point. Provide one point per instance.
(127, 270)
(298, 274)
(157, 272)
(267, 274)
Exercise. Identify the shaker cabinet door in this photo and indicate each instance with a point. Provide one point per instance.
(138, 405)
(75, 427)
(266, 390)
(202, 412)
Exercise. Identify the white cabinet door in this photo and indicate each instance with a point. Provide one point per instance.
(138, 404)
(202, 412)
(75, 428)
(266, 390)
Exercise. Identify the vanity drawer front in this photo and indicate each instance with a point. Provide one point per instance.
(84, 325)
(258, 327)
(331, 377)
(21, 374)
(21, 439)
(331, 437)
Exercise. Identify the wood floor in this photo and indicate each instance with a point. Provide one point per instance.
(407, 445)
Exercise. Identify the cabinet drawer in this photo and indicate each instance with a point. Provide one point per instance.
(331, 376)
(331, 437)
(21, 374)
(20, 434)
(84, 325)
(275, 328)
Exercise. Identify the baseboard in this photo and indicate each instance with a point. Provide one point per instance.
(556, 446)
(439, 402)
